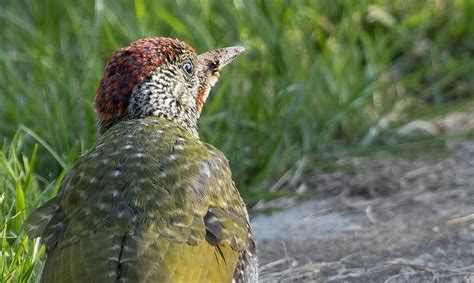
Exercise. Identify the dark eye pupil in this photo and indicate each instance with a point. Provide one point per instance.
(188, 68)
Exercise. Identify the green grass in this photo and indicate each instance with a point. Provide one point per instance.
(316, 76)
(20, 192)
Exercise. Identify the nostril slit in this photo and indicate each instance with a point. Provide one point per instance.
(213, 65)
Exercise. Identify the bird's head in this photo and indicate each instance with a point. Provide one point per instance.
(159, 77)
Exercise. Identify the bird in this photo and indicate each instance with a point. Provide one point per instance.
(150, 201)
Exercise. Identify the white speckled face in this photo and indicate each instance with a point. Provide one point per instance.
(177, 90)
(168, 92)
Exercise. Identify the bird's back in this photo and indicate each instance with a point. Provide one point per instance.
(148, 203)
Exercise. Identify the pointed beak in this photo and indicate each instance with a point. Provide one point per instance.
(216, 59)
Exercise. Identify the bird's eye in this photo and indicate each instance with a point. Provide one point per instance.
(187, 67)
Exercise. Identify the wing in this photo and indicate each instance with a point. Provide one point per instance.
(231, 225)
(145, 205)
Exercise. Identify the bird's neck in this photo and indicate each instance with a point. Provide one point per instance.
(177, 114)
(166, 101)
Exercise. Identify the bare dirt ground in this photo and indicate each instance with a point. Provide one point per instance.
(396, 220)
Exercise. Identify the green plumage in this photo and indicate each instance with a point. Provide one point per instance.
(148, 203)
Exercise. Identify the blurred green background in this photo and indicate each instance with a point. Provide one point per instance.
(317, 75)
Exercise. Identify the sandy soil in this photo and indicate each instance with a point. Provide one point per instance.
(397, 220)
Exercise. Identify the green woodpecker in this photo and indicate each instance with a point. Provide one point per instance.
(150, 202)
